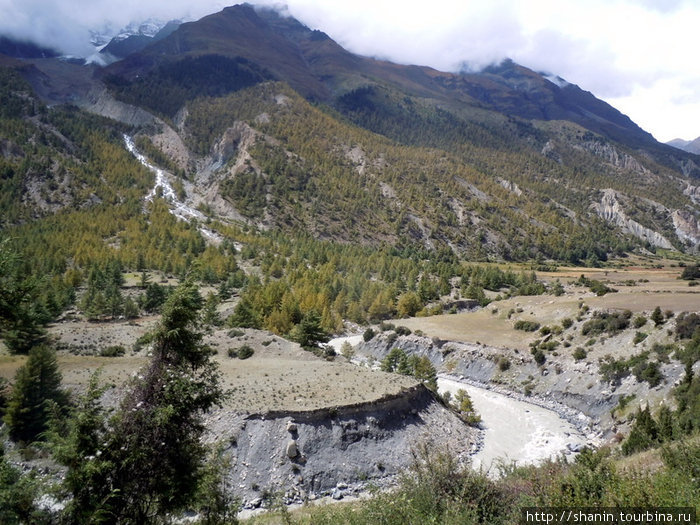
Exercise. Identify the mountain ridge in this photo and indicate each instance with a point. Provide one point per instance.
(461, 142)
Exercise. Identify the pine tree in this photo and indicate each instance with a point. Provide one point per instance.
(20, 317)
(36, 387)
(151, 457)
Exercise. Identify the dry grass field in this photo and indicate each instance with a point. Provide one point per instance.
(639, 289)
(279, 375)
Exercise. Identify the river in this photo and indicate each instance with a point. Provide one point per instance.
(163, 187)
(513, 430)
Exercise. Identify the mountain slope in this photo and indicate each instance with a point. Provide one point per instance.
(504, 163)
(691, 146)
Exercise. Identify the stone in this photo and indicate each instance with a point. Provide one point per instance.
(291, 426)
(292, 449)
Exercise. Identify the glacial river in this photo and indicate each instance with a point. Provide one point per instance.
(513, 430)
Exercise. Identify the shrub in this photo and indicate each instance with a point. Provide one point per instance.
(402, 330)
(113, 351)
(368, 335)
(503, 364)
(579, 353)
(639, 321)
(687, 324)
(538, 355)
(610, 322)
(567, 323)
(639, 337)
(690, 272)
(245, 351)
(526, 326)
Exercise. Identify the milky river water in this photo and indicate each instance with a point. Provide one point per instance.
(513, 430)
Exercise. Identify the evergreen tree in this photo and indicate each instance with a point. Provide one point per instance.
(20, 314)
(151, 457)
(309, 333)
(37, 386)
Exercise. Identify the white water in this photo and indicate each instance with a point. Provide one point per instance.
(177, 207)
(514, 430)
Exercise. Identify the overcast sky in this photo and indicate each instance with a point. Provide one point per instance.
(638, 55)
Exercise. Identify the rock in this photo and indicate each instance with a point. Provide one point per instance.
(574, 447)
(341, 485)
(291, 426)
(292, 449)
(337, 494)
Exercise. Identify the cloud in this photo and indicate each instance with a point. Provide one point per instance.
(618, 49)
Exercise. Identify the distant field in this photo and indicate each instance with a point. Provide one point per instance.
(640, 289)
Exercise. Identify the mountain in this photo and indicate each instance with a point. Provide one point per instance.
(691, 146)
(23, 49)
(132, 40)
(276, 125)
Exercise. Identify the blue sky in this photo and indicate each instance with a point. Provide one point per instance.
(638, 55)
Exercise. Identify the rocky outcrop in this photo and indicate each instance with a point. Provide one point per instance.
(101, 102)
(307, 454)
(610, 209)
(687, 227)
(611, 155)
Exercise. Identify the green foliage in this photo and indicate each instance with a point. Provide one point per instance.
(690, 272)
(36, 393)
(639, 321)
(526, 326)
(21, 313)
(411, 365)
(18, 493)
(657, 317)
(596, 287)
(606, 322)
(644, 433)
(687, 324)
(639, 337)
(157, 429)
(579, 353)
(463, 404)
(113, 351)
(309, 333)
(408, 304)
(245, 351)
(368, 335)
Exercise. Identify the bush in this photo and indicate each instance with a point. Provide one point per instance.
(639, 321)
(610, 322)
(526, 326)
(579, 353)
(113, 351)
(567, 323)
(539, 356)
(368, 335)
(245, 351)
(503, 364)
(687, 324)
(402, 330)
(639, 337)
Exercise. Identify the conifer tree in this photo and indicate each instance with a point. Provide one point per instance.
(36, 387)
(148, 460)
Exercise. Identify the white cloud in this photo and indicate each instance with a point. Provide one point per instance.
(637, 54)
